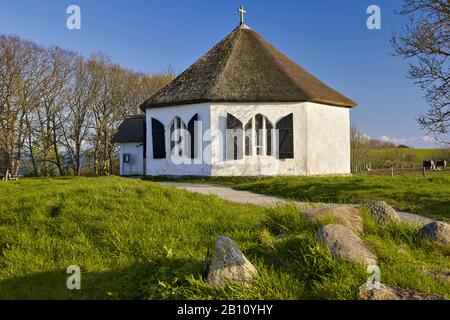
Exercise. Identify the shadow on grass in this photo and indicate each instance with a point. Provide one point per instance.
(126, 283)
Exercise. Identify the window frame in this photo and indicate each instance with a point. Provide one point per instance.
(255, 143)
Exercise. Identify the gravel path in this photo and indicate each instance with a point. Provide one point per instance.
(247, 197)
(229, 194)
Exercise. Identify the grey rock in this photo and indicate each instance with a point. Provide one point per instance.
(388, 292)
(436, 231)
(346, 245)
(348, 216)
(229, 264)
(382, 213)
(441, 276)
(414, 219)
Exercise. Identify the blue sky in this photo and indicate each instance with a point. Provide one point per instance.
(329, 38)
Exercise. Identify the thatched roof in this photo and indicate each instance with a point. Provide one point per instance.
(132, 129)
(245, 68)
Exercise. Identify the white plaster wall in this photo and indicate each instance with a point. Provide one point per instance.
(157, 167)
(258, 165)
(328, 141)
(136, 166)
(321, 140)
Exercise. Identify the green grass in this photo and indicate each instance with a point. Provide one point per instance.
(406, 156)
(429, 195)
(136, 239)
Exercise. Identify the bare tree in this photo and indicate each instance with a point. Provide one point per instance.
(20, 72)
(362, 147)
(51, 113)
(425, 40)
(359, 149)
(76, 129)
(57, 109)
(107, 102)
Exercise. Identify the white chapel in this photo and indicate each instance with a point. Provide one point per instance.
(243, 109)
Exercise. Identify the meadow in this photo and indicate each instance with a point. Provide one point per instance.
(429, 196)
(404, 157)
(136, 239)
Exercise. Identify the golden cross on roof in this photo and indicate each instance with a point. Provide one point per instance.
(242, 12)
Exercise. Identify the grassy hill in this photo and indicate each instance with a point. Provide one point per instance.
(136, 239)
(405, 157)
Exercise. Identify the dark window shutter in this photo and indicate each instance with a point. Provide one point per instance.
(286, 137)
(159, 139)
(191, 130)
(233, 123)
(234, 145)
(145, 138)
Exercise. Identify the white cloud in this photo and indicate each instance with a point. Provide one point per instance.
(428, 139)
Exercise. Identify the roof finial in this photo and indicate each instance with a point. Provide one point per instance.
(242, 12)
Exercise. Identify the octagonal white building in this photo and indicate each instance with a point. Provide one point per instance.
(243, 109)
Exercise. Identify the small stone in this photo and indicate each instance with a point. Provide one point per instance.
(387, 292)
(436, 231)
(348, 216)
(229, 264)
(382, 213)
(346, 245)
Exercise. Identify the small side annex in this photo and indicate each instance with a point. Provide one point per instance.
(131, 136)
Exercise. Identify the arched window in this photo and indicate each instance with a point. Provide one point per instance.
(178, 138)
(248, 137)
(235, 148)
(258, 136)
(269, 140)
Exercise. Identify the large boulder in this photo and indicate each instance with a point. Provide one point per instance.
(387, 292)
(436, 231)
(346, 215)
(229, 264)
(346, 245)
(381, 212)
